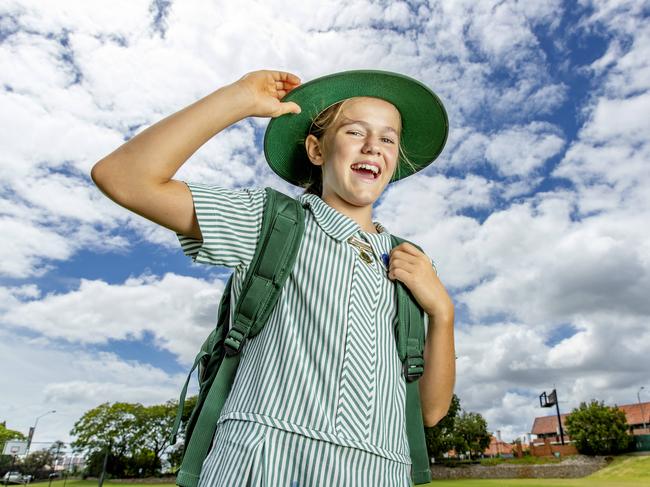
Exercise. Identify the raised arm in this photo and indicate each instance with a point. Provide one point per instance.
(138, 174)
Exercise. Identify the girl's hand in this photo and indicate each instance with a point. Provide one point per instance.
(412, 267)
(266, 88)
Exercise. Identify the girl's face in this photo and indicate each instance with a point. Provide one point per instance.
(367, 130)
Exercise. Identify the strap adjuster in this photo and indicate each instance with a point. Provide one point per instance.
(233, 342)
(413, 368)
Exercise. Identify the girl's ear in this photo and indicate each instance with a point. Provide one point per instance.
(314, 151)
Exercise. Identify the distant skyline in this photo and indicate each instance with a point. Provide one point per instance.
(536, 212)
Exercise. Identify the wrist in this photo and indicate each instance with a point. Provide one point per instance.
(243, 94)
(234, 101)
(441, 314)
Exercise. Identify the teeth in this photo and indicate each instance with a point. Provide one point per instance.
(374, 169)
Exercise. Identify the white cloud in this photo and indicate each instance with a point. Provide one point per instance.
(47, 377)
(439, 203)
(25, 245)
(502, 369)
(126, 85)
(177, 311)
(517, 151)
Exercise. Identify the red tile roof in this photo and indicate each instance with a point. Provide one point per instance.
(633, 412)
(548, 424)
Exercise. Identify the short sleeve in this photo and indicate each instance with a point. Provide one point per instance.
(230, 222)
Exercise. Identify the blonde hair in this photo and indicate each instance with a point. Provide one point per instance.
(319, 128)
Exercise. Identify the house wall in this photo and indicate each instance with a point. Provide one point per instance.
(548, 449)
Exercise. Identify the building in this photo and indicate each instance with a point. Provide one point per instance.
(498, 448)
(546, 427)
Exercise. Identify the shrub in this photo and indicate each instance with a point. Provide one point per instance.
(597, 429)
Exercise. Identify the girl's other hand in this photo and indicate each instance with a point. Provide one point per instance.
(413, 267)
(266, 88)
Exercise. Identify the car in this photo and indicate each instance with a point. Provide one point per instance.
(16, 478)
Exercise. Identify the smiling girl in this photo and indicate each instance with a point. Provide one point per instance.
(319, 395)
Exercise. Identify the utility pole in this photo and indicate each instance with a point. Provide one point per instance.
(101, 477)
(638, 398)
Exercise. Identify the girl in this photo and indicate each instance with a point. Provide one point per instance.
(319, 395)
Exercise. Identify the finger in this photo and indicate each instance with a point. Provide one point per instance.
(282, 92)
(290, 107)
(400, 274)
(293, 79)
(288, 77)
(403, 264)
(405, 256)
(410, 248)
(281, 85)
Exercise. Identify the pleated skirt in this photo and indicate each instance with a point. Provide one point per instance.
(250, 454)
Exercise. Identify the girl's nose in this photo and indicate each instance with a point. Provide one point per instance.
(370, 146)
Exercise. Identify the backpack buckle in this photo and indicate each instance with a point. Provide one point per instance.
(413, 367)
(233, 342)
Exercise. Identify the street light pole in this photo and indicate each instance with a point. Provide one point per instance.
(638, 397)
(31, 433)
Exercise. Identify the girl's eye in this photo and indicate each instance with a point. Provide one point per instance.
(383, 138)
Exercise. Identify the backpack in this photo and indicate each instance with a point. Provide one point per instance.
(277, 248)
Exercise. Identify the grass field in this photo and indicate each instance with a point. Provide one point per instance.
(624, 471)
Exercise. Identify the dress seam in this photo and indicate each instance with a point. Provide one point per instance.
(315, 434)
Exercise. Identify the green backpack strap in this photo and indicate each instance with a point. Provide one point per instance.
(410, 348)
(272, 263)
(276, 252)
(208, 361)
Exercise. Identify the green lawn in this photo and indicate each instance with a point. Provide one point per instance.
(622, 472)
(626, 468)
(584, 482)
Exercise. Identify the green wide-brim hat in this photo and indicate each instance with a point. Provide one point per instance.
(424, 120)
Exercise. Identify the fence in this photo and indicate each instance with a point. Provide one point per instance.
(641, 443)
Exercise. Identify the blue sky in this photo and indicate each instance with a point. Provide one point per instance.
(535, 213)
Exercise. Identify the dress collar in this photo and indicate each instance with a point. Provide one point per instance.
(337, 225)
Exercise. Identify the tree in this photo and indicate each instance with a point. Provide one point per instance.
(175, 455)
(440, 438)
(133, 436)
(114, 424)
(57, 450)
(597, 429)
(471, 434)
(190, 404)
(7, 434)
(112, 428)
(37, 464)
(6, 461)
(154, 427)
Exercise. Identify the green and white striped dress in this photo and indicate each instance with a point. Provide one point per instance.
(319, 396)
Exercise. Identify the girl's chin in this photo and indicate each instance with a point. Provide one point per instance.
(362, 198)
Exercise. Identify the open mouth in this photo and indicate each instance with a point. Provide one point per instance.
(366, 171)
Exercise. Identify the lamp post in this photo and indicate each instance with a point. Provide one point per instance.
(638, 398)
(33, 429)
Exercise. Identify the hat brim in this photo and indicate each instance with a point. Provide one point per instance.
(425, 125)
